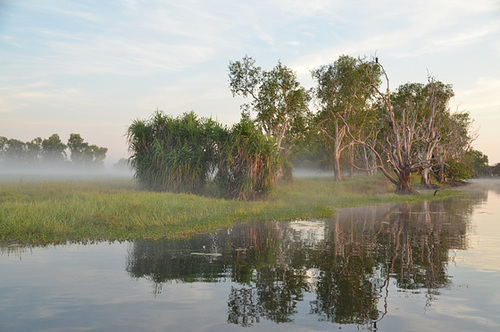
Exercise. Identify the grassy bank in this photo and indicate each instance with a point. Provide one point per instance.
(55, 212)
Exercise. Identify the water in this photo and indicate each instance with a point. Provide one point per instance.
(427, 266)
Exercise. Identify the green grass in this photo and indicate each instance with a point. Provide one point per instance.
(41, 213)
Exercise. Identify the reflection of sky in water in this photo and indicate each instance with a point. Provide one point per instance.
(472, 301)
(485, 237)
(87, 287)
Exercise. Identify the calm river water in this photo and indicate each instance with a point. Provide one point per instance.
(420, 267)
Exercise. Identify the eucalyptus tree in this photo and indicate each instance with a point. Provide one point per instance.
(3, 147)
(279, 101)
(98, 153)
(455, 143)
(82, 153)
(15, 151)
(54, 150)
(411, 118)
(429, 103)
(344, 91)
(34, 151)
(19, 153)
(77, 147)
(436, 112)
(477, 162)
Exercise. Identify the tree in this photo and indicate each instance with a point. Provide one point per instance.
(478, 163)
(495, 170)
(173, 154)
(247, 163)
(99, 154)
(456, 141)
(14, 152)
(279, 101)
(408, 131)
(430, 104)
(184, 154)
(82, 153)
(77, 147)
(53, 149)
(34, 151)
(3, 148)
(344, 91)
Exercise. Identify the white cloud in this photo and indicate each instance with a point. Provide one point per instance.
(37, 95)
(481, 98)
(123, 59)
(468, 37)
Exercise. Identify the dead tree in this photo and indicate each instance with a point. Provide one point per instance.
(396, 153)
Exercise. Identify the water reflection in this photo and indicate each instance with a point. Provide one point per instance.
(341, 268)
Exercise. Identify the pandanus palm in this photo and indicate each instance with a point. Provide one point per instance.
(249, 167)
(182, 154)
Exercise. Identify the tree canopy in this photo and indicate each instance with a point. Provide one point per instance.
(279, 102)
(50, 151)
(359, 123)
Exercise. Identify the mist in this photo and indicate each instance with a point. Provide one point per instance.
(18, 172)
(308, 172)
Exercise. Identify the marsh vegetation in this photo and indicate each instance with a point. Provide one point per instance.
(402, 266)
(81, 211)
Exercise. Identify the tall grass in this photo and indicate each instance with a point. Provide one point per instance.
(49, 212)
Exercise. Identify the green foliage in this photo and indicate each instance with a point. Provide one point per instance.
(248, 163)
(345, 91)
(495, 170)
(14, 151)
(279, 102)
(56, 212)
(478, 163)
(344, 86)
(54, 149)
(77, 147)
(456, 170)
(82, 153)
(50, 151)
(173, 154)
(182, 154)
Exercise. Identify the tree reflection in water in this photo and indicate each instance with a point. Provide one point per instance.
(347, 262)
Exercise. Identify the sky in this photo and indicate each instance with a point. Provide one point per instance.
(92, 67)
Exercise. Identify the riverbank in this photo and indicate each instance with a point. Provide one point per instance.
(41, 213)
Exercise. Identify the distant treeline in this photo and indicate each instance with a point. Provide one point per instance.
(50, 151)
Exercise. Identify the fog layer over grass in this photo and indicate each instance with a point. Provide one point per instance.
(62, 172)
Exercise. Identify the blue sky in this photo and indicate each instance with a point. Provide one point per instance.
(91, 67)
